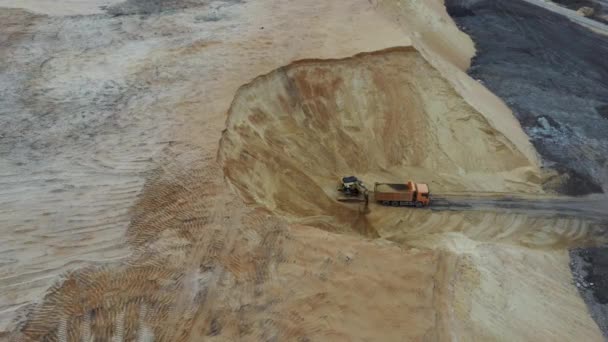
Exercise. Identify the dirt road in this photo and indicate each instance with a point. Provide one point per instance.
(595, 23)
(589, 207)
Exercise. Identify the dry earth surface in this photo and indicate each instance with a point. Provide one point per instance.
(168, 170)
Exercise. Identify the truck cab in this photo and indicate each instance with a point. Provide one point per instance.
(422, 194)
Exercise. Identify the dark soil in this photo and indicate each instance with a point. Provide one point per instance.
(589, 269)
(596, 260)
(603, 111)
(553, 74)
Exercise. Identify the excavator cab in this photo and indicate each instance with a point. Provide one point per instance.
(352, 190)
(350, 186)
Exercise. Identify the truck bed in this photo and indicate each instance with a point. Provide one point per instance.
(388, 187)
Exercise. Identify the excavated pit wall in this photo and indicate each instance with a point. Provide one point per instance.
(389, 116)
(384, 116)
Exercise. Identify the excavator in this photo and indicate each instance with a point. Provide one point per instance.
(352, 189)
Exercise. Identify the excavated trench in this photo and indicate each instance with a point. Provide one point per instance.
(383, 116)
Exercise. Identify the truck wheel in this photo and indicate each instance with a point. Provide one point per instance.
(419, 205)
(395, 203)
(386, 203)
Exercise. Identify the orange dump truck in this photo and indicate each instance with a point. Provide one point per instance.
(410, 194)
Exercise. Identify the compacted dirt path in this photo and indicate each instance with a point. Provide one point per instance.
(568, 8)
(591, 207)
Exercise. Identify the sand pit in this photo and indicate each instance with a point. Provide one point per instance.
(384, 116)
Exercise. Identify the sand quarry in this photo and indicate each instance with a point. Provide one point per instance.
(169, 172)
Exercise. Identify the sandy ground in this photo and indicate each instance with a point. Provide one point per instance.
(123, 226)
(99, 98)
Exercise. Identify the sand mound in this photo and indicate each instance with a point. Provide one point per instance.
(384, 116)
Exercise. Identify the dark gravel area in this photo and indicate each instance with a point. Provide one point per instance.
(553, 74)
(589, 268)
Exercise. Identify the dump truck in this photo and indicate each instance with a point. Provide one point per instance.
(397, 195)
